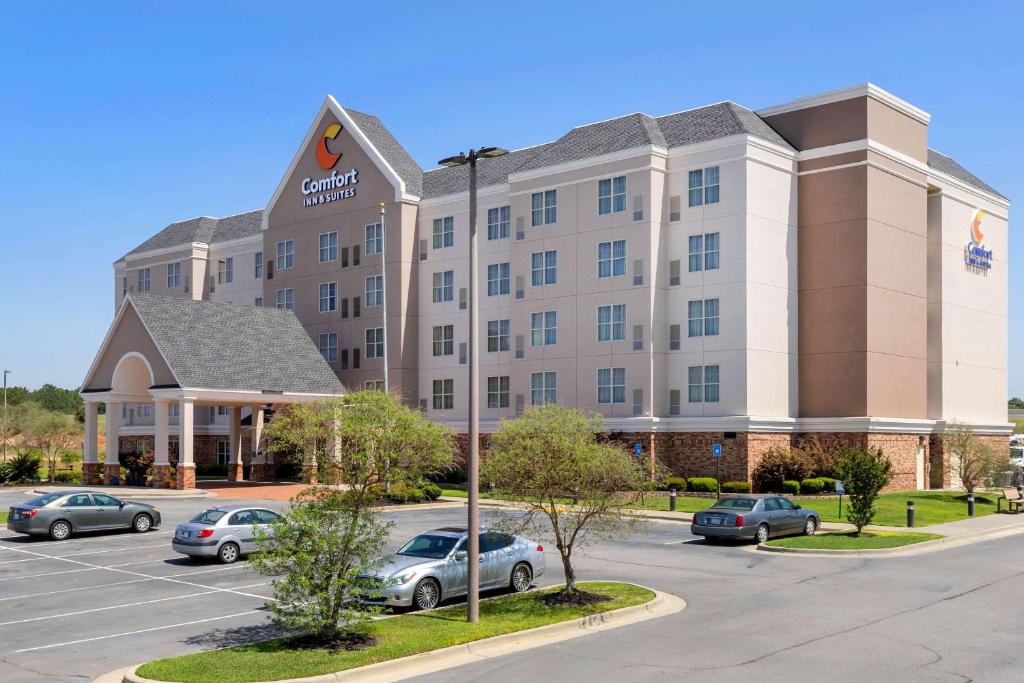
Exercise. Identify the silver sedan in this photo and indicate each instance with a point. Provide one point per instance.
(60, 514)
(226, 532)
(754, 517)
(432, 567)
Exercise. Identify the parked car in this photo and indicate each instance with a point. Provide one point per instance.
(432, 567)
(226, 532)
(58, 515)
(754, 517)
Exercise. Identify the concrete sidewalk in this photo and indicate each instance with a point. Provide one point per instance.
(126, 492)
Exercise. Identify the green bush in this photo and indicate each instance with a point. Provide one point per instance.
(735, 487)
(211, 469)
(702, 484)
(677, 483)
(377, 491)
(22, 468)
(403, 493)
(68, 477)
(865, 474)
(432, 491)
(828, 484)
(777, 465)
(812, 486)
(791, 486)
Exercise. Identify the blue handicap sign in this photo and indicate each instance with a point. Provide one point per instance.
(716, 450)
(840, 488)
(638, 449)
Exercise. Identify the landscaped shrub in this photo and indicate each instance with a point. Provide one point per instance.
(864, 473)
(777, 465)
(820, 460)
(735, 487)
(377, 491)
(211, 469)
(702, 484)
(403, 493)
(676, 483)
(791, 486)
(21, 468)
(812, 486)
(68, 477)
(828, 484)
(432, 491)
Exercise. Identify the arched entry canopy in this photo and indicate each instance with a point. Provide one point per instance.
(169, 351)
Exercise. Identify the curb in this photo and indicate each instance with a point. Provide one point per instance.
(135, 494)
(936, 544)
(663, 604)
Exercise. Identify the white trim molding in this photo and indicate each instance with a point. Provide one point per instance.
(863, 90)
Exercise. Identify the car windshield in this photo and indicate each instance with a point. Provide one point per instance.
(736, 503)
(40, 501)
(208, 517)
(427, 545)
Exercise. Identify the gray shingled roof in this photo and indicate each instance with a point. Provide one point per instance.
(715, 121)
(595, 139)
(945, 164)
(212, 345)
(442, 181)
(393, 152)
(204, 229)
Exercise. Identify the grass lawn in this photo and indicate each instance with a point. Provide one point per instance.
(3, 517)
(849, 540)
(400, 636)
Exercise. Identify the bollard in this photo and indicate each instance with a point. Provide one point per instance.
(970, 504)
(910, 514)
(672, 500)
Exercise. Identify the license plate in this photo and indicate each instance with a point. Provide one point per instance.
(715, 520)
(183, 534)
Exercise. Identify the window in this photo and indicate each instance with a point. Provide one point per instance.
(703, 384)
(258, 302)
(543, 388)
(143, 279)
(497, 279)
(124, 286)
(611, 258)
(355, 358)
(328, 247)
(703, 186)
(144, 410)
(611, 385)
(355, 307)
(374, 239)
(543, 268)
(223, 454)
(444, 340)
(344, 359)
(711, 384)
(229, 269)
(174, 275)
(257, 270)
(711, 251)
(674, 208)
(703, 318)
(329, 346)
(374, 290)
(286, 298)
(222, 411)
(173, 409)
(543, 328)
(673, 338)
(444, 232)
(696, 383)
(710, 317)
(355, 255)
(498, 222)
(611, 322)
(611, 195)
(285, 254)
(444, 394)
(374, 385)
(497, 335)
(673, 402)
(344, 257)
(674, 273)
(375, 342)
(444, 286)
(328, 297)
(497, 392)
(704, 252)
(543, 209)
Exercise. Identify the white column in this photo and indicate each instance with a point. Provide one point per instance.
(161, 431)
(113, 421)
(90, 450)
(235, 434)
(185, 420)
(257, 430)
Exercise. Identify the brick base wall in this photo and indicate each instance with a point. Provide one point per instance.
(186, 477)
(939, 471)
(91, 474)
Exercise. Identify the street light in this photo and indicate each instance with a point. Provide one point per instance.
(6, 372)
(473, 466)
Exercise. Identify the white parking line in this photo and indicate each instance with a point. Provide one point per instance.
(87, 552)
(116, 583)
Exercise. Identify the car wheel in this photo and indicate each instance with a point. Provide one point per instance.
(142, 523)
(810, 526)
(762, 534)
(228, 553)
(60, 530)
(427, 594)
(521, 578)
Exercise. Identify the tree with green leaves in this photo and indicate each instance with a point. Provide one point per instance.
(969, 460)
(50, 433)
(864, 474)
(551, 454)
(1016, 403)
(52, 397)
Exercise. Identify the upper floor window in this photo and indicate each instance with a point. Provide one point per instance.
(611, 322)
(444, 394)
(704, 252)
(543, 207)
(497, 335)
(444, 232)
(375, 342)
(174, 275)
(173, 409)
(143, 279)
(374, 239)
(703, 318)
(611, 385)
(543, 388)
(498, 222)
(611, 258)
(329, 346)
(444, 286)
(328, 297)
(225, 270)
(611, 195)
(374, 290)
(543, 268)
(444, 340)
(543, 328)
(286, 298)
(285, 254)
(257, 270)
(497, 391)
(704, 186)
(703, 384)
(328, 247)
(497, 279)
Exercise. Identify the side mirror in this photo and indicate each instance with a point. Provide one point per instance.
(796, 506)
(461, 555)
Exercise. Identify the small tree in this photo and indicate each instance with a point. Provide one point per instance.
(969, 459)
(51, 433)
(553, 453)
(864, 474)
(301, 431)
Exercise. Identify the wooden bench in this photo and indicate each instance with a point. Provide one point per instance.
(1013, 501)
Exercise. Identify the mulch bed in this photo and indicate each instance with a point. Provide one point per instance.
(342, 641)
(573, 598)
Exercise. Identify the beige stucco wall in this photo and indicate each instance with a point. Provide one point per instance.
(128, 335)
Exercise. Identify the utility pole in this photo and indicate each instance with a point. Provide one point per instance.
(6, 372)
(384, 289)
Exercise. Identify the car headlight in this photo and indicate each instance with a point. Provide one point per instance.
(404, 578)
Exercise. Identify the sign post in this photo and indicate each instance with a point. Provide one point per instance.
(716, 453)
(840, 489)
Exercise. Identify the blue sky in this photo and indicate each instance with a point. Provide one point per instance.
(118, 118)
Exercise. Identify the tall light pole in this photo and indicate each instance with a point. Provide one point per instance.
(6, 372)
(473, 464)
(384, 289)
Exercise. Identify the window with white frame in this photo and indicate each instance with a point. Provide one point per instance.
(711, 251)
(711, 317)
(223, 452)
(286, 298)
(444, 394)
(543, 388)
(222, 411)
(329, 346)
(703, 384)
(173, 409)
(257, 270)
(443, 340)
(611, 385)
(703, 318)
(374, 239)
(703, 186)
(543, 328)
(143, 279)
(543, 268)
(611, 258)
(543, 207)
(611, 322)
(229, 269)
(611, 195)
(374, 290)
(258, 302)
(174, 275)
(497, 279)
(444, 232)
(497, 391)
(498, 220)
(144, 410)
(704, 252)
(328, 297)
(285, 254)
(375, 342)
(444, 286)
(328, 247)
(497, 335)
(374, 385)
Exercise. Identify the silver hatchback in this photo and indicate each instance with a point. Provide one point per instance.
(226, 532)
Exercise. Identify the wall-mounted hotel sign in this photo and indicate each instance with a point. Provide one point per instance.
(335, 186)
(975, 253)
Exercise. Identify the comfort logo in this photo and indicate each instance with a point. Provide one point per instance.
(324, 158)
(976, 234)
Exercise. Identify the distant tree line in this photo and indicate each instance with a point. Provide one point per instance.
(48, 397)
(1016, 403)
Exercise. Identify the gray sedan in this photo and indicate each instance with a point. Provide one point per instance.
(58, 515)
(754, 517)
(225, 532)
(432, 567)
